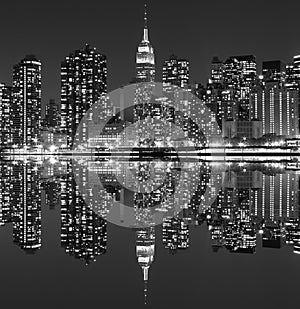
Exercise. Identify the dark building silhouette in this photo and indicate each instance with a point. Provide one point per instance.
(52, 115)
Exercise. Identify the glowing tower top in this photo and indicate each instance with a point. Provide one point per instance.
(145, 57)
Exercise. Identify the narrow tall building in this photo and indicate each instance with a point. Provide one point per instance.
(26, 107)
(52, 115)
(145, 57)
(6, 120)
(83, 82)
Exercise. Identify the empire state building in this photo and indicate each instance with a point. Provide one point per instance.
(145, 58)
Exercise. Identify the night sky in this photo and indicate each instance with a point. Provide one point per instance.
(196, 30)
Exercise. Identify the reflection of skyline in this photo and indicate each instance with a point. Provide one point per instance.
(252, 198)
(255, 202)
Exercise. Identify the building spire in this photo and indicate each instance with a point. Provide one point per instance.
(145, 276)
(145, 17)
(146, 35)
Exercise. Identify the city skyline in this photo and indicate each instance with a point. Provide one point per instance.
(150, 154)
(199, 65)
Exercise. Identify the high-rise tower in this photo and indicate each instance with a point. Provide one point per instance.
(26, 107)
(145, 58)
(83, 82)
(6, 121)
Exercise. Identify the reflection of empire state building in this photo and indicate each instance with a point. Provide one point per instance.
(145, 58)
(145, 249)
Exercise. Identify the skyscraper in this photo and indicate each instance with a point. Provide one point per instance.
(5, 107)
(277, 106)
(83, 82)
(26, 107)
(52, 115)
(145, 57)
(228, 90)
(175, 72)
(293, 73)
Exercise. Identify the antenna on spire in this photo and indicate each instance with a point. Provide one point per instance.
(145, 16)
(146, 276)
(145, 292)
(146, 35)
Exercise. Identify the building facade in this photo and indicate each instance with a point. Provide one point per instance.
(6, 121)
(83, 83)
(277, 106)
(176, 72)
(26, 107)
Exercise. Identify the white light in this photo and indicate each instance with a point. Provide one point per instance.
(52, 148)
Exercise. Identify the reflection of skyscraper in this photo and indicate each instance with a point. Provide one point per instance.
(26, 107)
(52, 193)
(145, 250)
(83, 81)
(145, 58)
(26, 200)
(5, 108)
(5, 193)
(175, 234)
(83, 232)
(278, 198)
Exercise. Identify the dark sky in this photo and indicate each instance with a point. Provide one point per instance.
(193, 29)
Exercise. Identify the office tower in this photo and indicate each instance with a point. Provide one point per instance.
(239, 77)
(145, 58)
(175, 72)
(228, 90)
(293, 74)
(5, 116)
(52, 115)
(83, 83)
(273, 71)
(217, 71)
(26, 202)
(248, 69)
(26, 107)
(277, 106)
